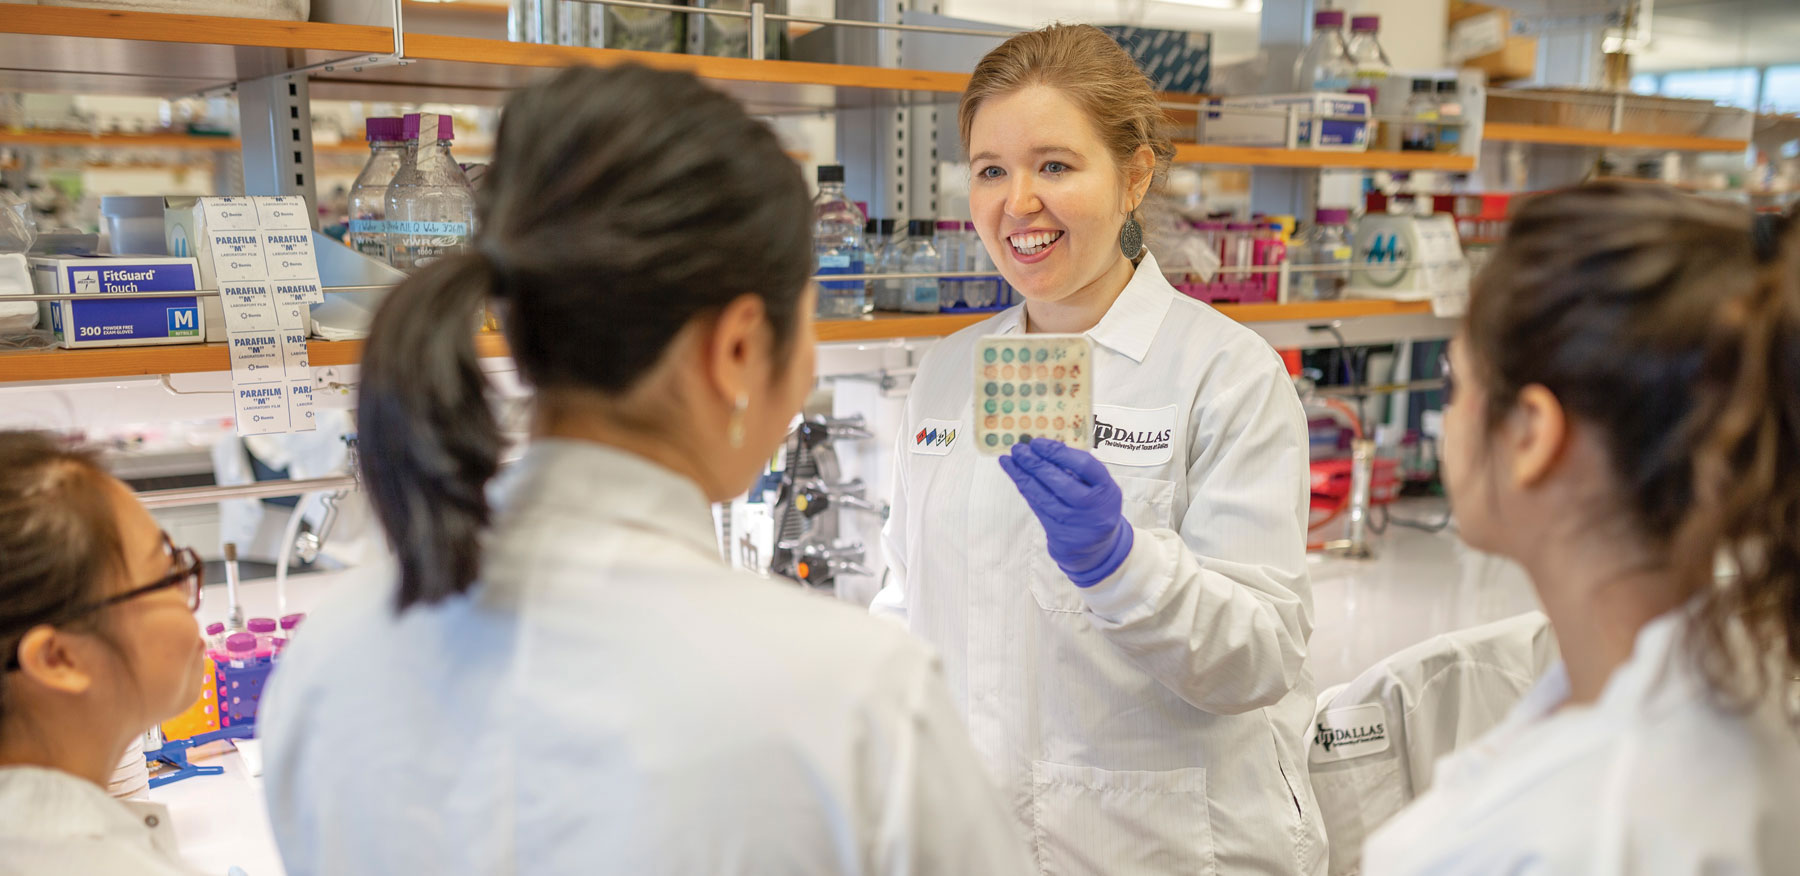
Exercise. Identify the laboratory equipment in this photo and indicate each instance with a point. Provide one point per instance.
(1325, 65)
(367, 233)
(1369, 64)
(915, 254)
(810, 497)
(234, 611)
(430, 206)
(884, 246)
(1237, 250)
(134, 224)
(1035, 386)
(1325, 257)
(1419, 132)
(1320, 120)
(979, 293)
(1450, 116)
(839, 246)
(950, 256)
(1408, 258)
(263, 628)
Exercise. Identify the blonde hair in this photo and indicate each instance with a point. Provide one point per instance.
(1086, 65)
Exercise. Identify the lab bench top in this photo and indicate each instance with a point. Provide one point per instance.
(1417, 585)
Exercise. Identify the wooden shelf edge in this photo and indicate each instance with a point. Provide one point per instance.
(135, 362)
(1552, 135)
(120, 141)
(166, 27)
(1197, 153)
(1316, 310)
(474, 50)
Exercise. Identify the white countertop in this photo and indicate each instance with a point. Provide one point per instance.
(1417, 585)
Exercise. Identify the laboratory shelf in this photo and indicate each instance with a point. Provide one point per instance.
(473, 70)
(102, 51)
(1552, 135)
(131, 362)
(1193, 153)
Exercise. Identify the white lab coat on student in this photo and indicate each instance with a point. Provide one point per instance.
(55, 824)
(1377, 739)
(610, 698)
(1652, 780)
(1155, 722)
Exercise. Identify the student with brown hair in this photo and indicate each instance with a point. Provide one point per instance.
(1125, 631)
(566, 678)
(99, 640)
(1625, 424)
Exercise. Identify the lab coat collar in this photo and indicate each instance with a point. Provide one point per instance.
(51, 805)
(607, 485)
(1131, 324)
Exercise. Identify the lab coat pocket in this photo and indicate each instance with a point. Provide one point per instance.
(1093, 821)
(1356, 797)
(1148, 505)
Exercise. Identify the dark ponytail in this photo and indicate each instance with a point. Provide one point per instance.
(622, 204)
(428, 440)
(1748, 472)
(1672, 324)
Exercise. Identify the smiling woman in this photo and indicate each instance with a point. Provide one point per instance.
(1127, 628)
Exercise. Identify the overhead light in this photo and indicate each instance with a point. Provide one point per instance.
(1221, 5)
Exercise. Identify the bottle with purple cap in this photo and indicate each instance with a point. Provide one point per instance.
(430, 206)
(368, 195)
(263, 628)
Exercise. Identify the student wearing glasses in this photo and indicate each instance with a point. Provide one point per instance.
(99, 640)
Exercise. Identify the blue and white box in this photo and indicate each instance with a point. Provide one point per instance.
(1322, 120)
(114, 318)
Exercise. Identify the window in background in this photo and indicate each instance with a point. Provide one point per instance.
(1645, 83)
(1781, 90)
(1734, 86)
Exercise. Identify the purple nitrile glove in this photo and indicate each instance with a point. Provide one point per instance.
(1079, 504)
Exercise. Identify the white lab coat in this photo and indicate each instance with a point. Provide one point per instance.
(55, 824)
(1155, 722)
(1376, 740)
(610, 698)
(1653, 778)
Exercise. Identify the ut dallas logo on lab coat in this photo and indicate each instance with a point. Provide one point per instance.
(1134, 436)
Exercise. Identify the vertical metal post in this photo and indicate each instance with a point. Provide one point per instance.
(1285, 27)
(758, 32)
(1362, 477)
(277, 137)
(875, 144)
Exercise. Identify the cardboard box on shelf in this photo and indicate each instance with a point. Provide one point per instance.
(114, 318)
(1481, 38)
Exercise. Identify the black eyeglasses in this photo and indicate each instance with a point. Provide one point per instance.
(189, 572)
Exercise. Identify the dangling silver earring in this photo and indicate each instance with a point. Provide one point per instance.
(734, 432)
(1131, 237)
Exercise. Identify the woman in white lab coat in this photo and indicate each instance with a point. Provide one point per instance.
(1124, 631)
(100, 644)
(566, 678)
(1626, 413)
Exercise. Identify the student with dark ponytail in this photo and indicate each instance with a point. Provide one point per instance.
(1626, 425)
(565, 678)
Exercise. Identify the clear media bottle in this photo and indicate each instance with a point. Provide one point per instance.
(1325, 65)
(1419, 133)
(839, 248)
(430, 207)
(950, 255)
(1324, 258)
(1450, 116)
(1369, 64)
(367, 233)
(915, 254)
(980, 291)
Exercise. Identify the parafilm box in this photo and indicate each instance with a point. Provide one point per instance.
(114, 318)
